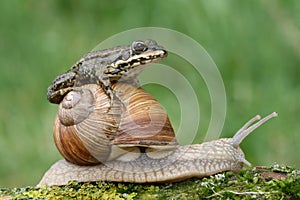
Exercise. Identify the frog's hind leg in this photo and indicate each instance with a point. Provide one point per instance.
(60, 86)
(57, 96)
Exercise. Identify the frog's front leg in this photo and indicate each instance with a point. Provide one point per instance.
(106, 86)
(61, 85)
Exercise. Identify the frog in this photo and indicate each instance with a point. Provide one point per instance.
(106, 67)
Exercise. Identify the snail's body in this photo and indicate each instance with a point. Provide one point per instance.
(199, 160)
(129, 138)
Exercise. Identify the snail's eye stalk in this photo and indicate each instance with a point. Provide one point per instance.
(248, 128)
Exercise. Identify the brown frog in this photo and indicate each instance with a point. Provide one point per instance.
(106, 67)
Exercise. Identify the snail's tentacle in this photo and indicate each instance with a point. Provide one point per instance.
(246, 130)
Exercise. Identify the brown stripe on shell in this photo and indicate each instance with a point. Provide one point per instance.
(70, 146)
(144, 121)
(88, 141)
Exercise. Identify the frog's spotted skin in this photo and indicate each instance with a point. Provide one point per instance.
(106, 67)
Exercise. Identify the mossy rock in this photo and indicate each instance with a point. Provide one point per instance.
(257, 183)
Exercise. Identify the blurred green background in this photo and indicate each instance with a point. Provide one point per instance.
(255, 44)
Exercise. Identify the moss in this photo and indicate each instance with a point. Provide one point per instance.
(258, 183)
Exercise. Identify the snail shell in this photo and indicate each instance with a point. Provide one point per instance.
(135, 141)
(89, 129)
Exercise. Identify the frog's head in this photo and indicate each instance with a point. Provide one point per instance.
(133, 59)
(147, 50)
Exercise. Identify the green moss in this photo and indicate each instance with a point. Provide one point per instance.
(259, 183)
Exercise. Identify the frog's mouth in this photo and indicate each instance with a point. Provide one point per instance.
(141, 59)
(135, 64)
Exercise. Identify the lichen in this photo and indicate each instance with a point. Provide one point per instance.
(275, 182)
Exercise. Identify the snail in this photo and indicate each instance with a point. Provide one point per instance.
(133, 141)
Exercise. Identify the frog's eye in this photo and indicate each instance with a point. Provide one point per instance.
(139, 46)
